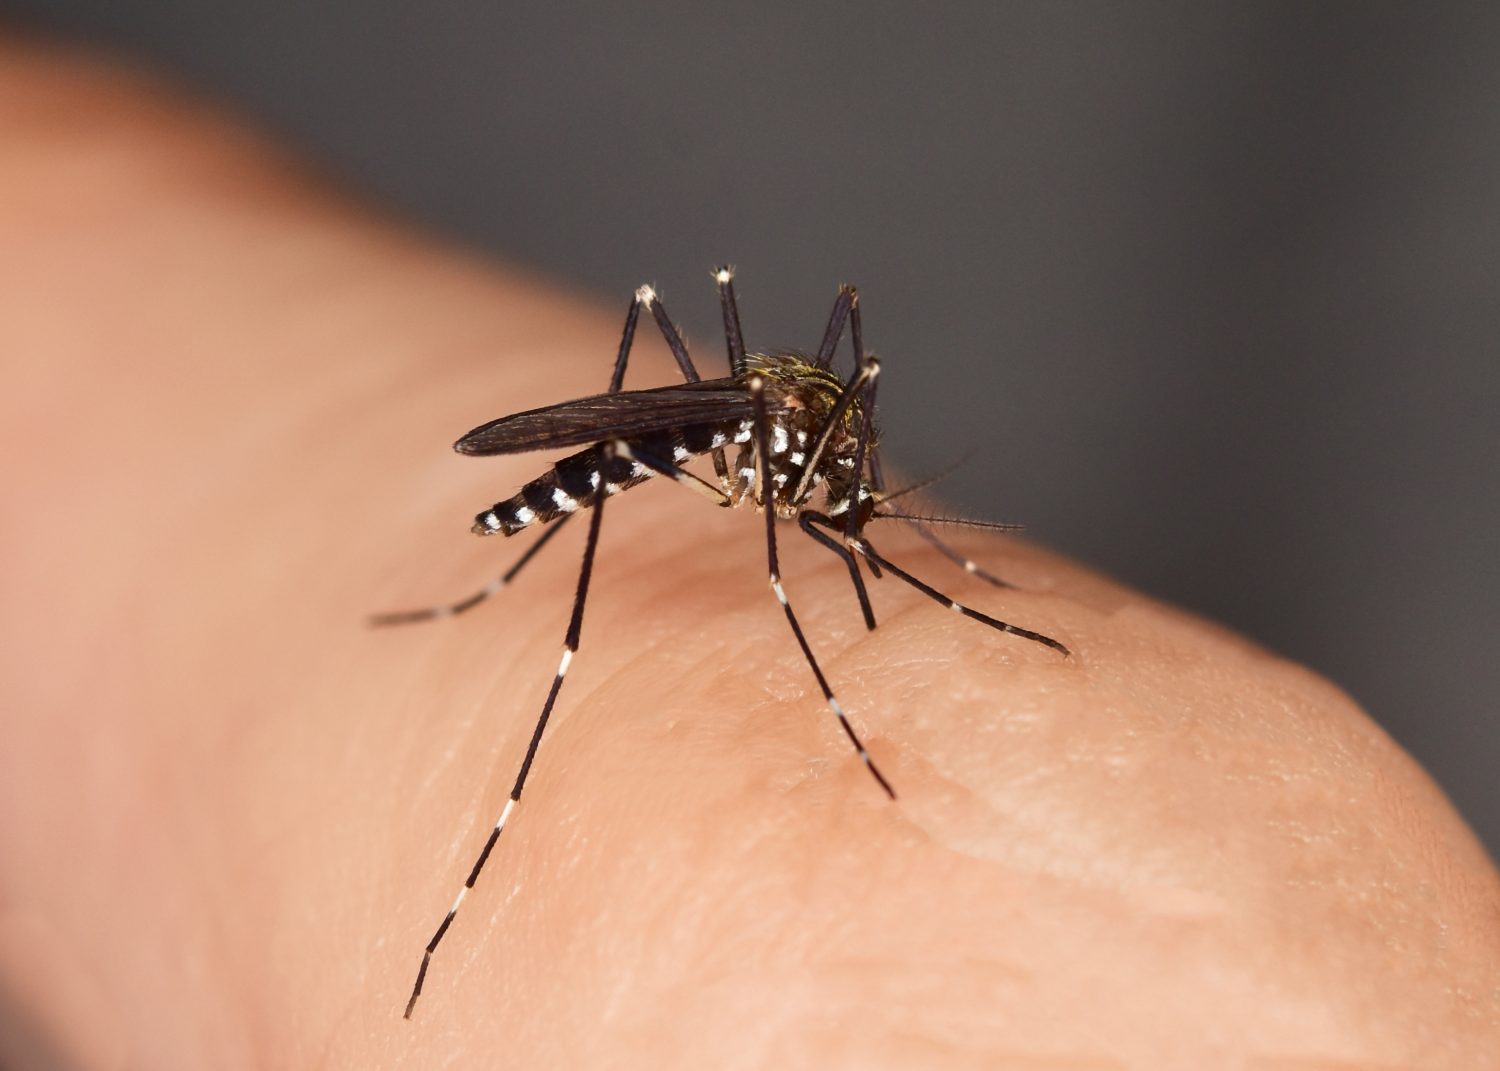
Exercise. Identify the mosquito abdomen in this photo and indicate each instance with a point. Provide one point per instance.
(572, 483)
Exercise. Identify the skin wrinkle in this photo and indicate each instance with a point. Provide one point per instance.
(1064, 825)
(804, 700)
(1173, 851)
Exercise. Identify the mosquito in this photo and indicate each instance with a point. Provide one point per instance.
(793, 426)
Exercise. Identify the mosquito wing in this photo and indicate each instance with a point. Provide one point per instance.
(611, 416)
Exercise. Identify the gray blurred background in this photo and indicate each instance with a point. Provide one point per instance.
(1211, 288)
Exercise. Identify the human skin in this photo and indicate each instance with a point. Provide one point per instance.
(231, 815)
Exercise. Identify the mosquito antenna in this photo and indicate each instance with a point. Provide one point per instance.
(963, 561)
(955, 522)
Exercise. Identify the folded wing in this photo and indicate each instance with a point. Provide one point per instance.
(611, 416)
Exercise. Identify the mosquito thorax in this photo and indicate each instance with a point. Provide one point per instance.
(802, 397)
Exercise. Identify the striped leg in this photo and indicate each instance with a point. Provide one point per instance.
(643, 296)
(831, 424)
(768, 507)
(865, 369)
(854, 519)
(570, 648)
(806, 520)
(647, 297)
(835, 330)
(865, 373)
(968, 565)
(862, 547)
(733, 337)
(403, 617)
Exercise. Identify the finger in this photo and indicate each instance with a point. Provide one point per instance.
(246, 454)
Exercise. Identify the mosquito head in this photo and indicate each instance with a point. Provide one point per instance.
(794, 381)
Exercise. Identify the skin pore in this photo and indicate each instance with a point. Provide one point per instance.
(231, 814)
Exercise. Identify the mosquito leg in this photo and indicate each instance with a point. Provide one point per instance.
(768, 507)
(854, 519)
(862, 547)
(632, 314)
(696, 483)
(968, 565)
(877, 472)
(805, 521)
(835, 419)
(835, 329)
(570, 648)
(733, 337)
(643, 296)
(647, 297)
(406, 617)
(691, 481)
(865, 371)
(570, 645)
(403, 617)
